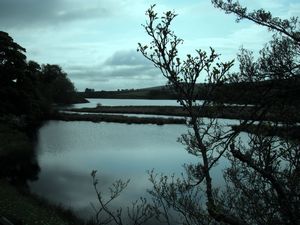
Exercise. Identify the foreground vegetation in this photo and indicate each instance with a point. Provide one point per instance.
(262, 180)
(21, 207)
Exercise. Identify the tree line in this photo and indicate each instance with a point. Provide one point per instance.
(27, 89)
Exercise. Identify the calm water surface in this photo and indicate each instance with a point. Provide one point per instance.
(68, 151)
(124, 102)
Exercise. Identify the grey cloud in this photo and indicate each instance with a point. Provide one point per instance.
(101, 73)
(123, 65)
(87, 73)
(19, 13)
(127, 58)
(116, 79)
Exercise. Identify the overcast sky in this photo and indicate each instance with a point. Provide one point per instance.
(95, 41)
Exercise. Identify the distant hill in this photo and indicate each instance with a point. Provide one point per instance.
(235, 93)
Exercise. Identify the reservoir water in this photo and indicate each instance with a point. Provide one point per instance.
(124, 102)
(67, 152)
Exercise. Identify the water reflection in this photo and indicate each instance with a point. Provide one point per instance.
(20, 167)
(68, 151)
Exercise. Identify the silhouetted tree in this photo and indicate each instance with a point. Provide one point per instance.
(27, 89)
(57, 86)
(12, 60)
(139, 213)
(262, 180)
(284, 27)
(14, 83)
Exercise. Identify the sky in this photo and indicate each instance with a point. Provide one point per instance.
(95, 41)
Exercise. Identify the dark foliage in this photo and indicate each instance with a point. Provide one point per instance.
(28, 90)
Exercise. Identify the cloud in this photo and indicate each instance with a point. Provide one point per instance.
(32, 13)
(85, 37)
(123, 69)
(126, 58)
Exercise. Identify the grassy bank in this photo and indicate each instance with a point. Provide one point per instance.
(228, 112)
(116, 119)
(22, 208)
